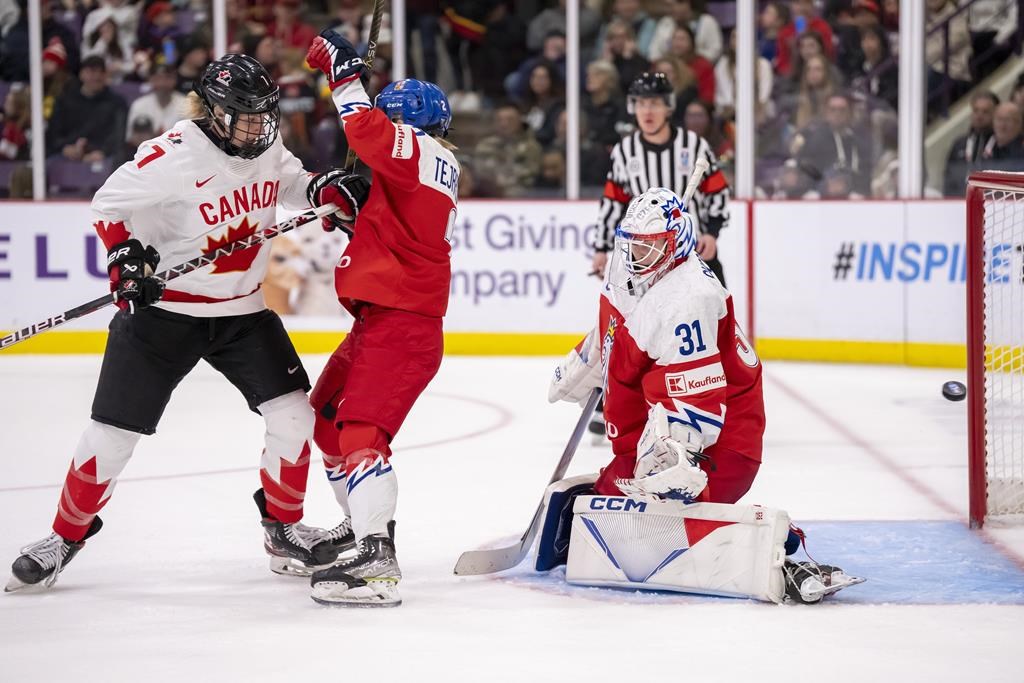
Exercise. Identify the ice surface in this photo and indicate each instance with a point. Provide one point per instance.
(176, 584)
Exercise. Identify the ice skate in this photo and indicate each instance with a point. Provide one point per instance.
(341, 537)
(808, 582)
(369, 579)
(293, 552)
(44, 560)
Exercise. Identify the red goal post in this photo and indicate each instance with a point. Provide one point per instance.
(995, 344)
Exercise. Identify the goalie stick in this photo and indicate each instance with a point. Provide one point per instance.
(205, 259)
(474, 562)
(371, 54)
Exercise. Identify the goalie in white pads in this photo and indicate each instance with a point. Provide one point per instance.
(685, 415)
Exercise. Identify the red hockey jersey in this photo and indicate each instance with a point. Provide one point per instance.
(679, 345)
(400, 255)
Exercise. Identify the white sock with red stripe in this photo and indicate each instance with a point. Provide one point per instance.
(284, 465)
(101, 454)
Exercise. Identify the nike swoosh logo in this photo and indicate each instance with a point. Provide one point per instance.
(200, 184)
(292, 371)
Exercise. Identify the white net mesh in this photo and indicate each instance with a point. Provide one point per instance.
(1004, 350)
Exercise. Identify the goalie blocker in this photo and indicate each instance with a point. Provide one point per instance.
(705, 548)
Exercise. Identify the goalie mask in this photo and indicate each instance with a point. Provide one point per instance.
(241, 102)
(655, 234)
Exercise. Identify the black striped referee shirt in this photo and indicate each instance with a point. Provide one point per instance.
(638, 165)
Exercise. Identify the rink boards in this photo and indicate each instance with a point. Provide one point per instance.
(812, 280)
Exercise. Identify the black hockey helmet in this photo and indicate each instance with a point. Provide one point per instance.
(243, 88)
(650, 84)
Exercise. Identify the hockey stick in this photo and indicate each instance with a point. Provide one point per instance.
(474, 562)
(700, 167)
(253, 240)
(371, 54)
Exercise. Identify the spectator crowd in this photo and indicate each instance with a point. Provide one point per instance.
(115, 73)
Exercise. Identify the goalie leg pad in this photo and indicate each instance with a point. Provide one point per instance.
(706, 548)
(553, 547)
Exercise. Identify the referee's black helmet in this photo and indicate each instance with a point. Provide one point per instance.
(650, 84)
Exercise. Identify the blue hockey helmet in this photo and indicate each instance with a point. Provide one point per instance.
(418, 103)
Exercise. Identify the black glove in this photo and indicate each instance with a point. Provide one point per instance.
(348, 190)
(130, 267)
(332, 54)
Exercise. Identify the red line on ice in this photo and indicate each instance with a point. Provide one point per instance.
(892, 466)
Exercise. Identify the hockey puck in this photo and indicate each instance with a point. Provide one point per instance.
(954, 391)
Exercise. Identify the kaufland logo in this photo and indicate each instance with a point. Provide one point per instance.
(675, 384)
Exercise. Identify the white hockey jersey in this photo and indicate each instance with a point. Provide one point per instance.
(184, 196)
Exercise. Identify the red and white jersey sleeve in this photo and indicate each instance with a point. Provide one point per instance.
(184, 196)
(681, 347)
(400, 255)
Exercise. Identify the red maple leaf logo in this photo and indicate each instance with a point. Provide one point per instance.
(111, 233)
(239, 261)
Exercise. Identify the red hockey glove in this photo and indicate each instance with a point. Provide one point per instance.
(348, 190)
(332, 54)
(130, 267)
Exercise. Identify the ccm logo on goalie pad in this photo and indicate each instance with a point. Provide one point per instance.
(695, 381)
(617, 504)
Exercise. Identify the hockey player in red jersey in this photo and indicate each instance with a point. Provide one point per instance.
(394, 278)
(211, 179)
(683, 384)
(683, 400)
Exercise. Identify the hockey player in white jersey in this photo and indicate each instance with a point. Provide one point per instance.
(683, 399)
(212, 179)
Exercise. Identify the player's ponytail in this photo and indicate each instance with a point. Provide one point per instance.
(194, 107)
(444, 142)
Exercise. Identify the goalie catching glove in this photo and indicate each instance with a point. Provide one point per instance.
(131, 267)
(579, 372)
(666, 464)
(347, 190)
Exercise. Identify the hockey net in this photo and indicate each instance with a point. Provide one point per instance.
(995, 345)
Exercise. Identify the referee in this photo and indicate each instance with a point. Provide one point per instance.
(661, 155)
